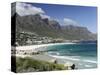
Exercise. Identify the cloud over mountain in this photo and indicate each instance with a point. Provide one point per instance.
(43, 16)
(68, 21)
(27, 9)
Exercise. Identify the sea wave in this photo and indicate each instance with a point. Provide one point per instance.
(74, 58)
(91, 61)
(64, 57)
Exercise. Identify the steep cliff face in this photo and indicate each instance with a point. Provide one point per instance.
(51, 28)
(76, 32)
(34, 23)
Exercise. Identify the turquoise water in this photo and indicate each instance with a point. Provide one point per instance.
(83, 55)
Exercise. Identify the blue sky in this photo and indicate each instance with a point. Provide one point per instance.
(83, 15)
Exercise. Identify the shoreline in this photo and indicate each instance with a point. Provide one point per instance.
(74, 58)
(65, 61)
(81, 64)
(34, 47)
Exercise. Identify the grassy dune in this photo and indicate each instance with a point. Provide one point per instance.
(30, 65)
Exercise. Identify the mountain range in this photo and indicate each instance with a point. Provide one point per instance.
(51, 28)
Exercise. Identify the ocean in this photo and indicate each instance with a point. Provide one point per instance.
(83, 55)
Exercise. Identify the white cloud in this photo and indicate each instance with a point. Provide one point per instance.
(43, 16)
(27, 9)
(68, 21)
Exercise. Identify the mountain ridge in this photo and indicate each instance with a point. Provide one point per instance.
(51, 28)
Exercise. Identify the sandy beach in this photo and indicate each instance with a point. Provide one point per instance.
(35, 47)
(44, 57)
(66, 60)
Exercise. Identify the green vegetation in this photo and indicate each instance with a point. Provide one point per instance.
(30, 65)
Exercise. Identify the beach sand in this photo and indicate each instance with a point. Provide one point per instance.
(36, 47)
(80, 64)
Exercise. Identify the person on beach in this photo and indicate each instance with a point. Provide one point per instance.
(55, 61)
(73, 67)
